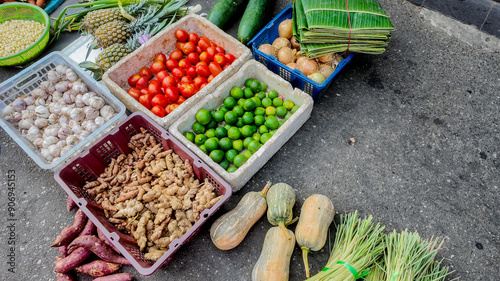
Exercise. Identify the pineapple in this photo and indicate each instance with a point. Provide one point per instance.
(93, 20)
(112, 32)
(112, 54)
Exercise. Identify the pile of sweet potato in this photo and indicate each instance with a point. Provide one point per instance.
(86, 250)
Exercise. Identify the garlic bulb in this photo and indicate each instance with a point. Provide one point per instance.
(38, 142)
(42, 111)
(86, 97)
(63, 121)
(77, 129)
(14, 117)
(69, 97)
(53, 118)
(73, 123)
(29, 100)
(90, 113)
(46, 154)
(32, 133)
(79, 87)
(107, 111)
(54, 150)
(39, 93)
(56, 96)
(48, 141)
(27, 114)
(52, 130)
(63, 86)
(84, 134)
(53, 76)
(41, 123)
(65, 149)
(99, 121)
(66, 109)
(63, 133)
(25, 123)
(61, 69)
(40, 102)
(97, 102)
(61, 143)
(55, 108)
(79, 102)
(31, 107)
(89, 126)
(47, 86)
(19, 104)
(77, 114)
(71, 75)
(8, 110)
(72, 140)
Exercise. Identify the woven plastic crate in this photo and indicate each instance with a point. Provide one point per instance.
(267, 36)
(30, 78)
(92, 162)
(116, 77)
(251, 69)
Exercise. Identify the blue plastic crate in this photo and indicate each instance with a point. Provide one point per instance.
(296, 78)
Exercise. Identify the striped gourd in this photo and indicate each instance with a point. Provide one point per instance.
(280, 201)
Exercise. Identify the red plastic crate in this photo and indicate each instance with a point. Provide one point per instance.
(92, 162)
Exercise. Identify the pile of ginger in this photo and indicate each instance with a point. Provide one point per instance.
(151, 194)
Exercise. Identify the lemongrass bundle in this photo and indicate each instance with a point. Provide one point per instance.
(358, 244)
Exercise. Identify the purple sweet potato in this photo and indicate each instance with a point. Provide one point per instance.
(89, 229)
(69, 233)
(98, 247)
(116, 277)
(98, 268)
(74, 259)
(65, 277)
(70, 204)
(106, 240)
(63, 250)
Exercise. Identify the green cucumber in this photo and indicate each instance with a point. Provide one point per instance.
(252, 20)
(223, 10)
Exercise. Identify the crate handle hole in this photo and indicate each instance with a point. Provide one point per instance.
(199, 161)
(176, 245)
(111, 238)
(80, 203)
(205, 215)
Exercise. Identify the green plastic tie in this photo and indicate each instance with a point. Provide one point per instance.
(354, 271)
(394, 276)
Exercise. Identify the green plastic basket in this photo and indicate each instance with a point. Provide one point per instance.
(22, 11)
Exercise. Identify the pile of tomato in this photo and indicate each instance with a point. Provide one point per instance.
(168, 82)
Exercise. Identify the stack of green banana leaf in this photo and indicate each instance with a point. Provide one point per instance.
(323, 27)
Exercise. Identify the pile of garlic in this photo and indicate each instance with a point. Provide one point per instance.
(58, 114)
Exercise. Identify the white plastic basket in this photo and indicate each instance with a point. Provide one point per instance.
(116, 77)
(255, 70)
(30, 78)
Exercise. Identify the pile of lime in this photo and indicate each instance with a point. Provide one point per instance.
(249, 117)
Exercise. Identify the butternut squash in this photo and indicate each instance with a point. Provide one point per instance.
(274, 260)
(316, 216)
(230, 229)
(280, 201)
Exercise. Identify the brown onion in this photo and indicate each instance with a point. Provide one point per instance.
(285, 29)
(326, 70)
(307, 66)
(292, 65)
(294, 43)
(326, 58)
(317, 77)
(267, 49)
(285, 55)
(300, 58)
(281, 42)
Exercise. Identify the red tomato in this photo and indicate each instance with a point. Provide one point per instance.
(220, 58)
(213, 44)
(135, 93)
(159, 111)
(225, 66)
(142, 83)
(220, 50)
(215, 68)
(181, 35)
(145, 71)
(188, 89)
(210, 78)
(172, 93)
(145, 91)
(188, 48)
(157, 66)
(229, 58)
(200, 80)
(193, 37)
(204, 43)
(154, 87)
(132, 80)
(198, 50)
(202, 70)
(204, 56)
(186, 79)
(178, 72)
(145, 101)
(161, 75)
(191, 72)
(161, 57)
(179, 45)
(168, 81)
(171, 107)
(185, 63)
(171, 64)
(203, 85)
(211, 53)
(194, 58)
(176, 55)
(159, 100)
(180, 100)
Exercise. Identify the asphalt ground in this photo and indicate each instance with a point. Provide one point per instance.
(425, 119)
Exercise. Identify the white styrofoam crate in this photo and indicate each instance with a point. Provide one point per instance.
(116, 77)
(255, 70)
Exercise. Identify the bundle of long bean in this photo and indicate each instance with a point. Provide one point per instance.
(324, 27)
(358, 244)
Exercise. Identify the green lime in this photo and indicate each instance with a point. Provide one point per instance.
(255, 86)
(272, 94)
(229, 102)
(259, 120)
(223, 109)
(227, 126)
(265, 137)
(287, 116)
(259, 111)
(239, 123)
(240, 102)
(232, 169)
(247, 131)
(256, 136)
(239, 160)
(198, 128)
(277, 102)
(230, 117)
(203, 148)
(217, 155)
(288, 104)
(211, 125)
(224, 164)
(246, 141)
(190, 136)
(230, 154)
(225, 144)
(263, 129)
(272, 132)
(295, 108)
(249, 105)
(247, 118)
(239, 110)
(200, 139)
(254, 145)
(248, 81)
(247, 154)
(203, 116)
(218, 116)
(233, 133)
(271, 122)
(236, 92)
(281, 111)
(261, 95)
(248, 93)
(212, 112)
(263, 86)
(220, 132)
(211, 144)
(270, 111)
(281, 122)
(238, 144)
(210, 133)
(257, 101)
(267, 102)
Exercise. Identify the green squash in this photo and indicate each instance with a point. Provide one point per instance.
(280, 201)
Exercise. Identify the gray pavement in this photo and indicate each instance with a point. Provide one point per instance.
(425, 117)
